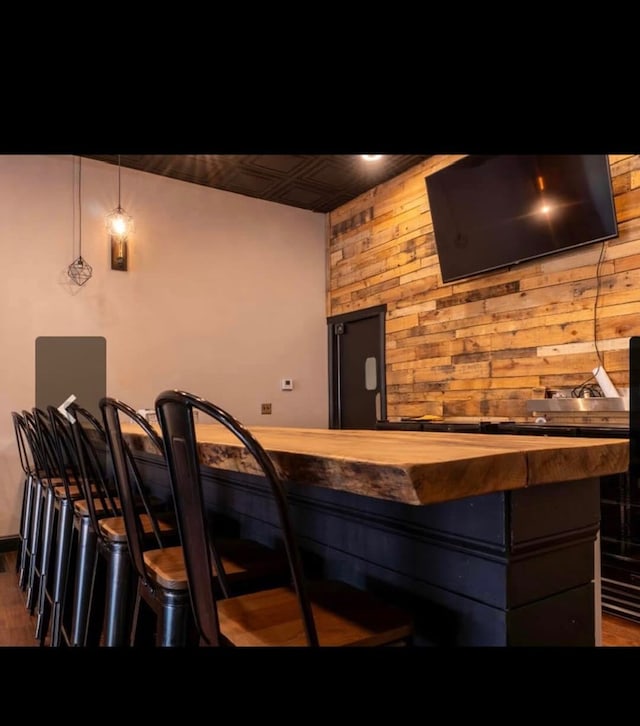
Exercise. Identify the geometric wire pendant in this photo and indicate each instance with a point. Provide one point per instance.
(79, 270)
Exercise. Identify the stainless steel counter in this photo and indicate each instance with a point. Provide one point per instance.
(578, 405)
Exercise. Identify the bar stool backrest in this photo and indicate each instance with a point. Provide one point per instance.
(130, 483)
(90, 447)
(175, 411)
(24, 446)
(31, 434)
(54, 446)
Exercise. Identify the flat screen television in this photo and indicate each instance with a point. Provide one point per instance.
(492, 212)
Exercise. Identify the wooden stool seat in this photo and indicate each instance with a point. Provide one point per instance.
(344, 616)
(114, 528)
(243, 560)
(81, 507)
(75, 492)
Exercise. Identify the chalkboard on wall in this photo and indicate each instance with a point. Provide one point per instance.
(67, 365)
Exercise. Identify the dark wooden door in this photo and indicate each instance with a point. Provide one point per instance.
(357, 369)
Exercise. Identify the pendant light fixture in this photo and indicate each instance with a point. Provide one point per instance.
(79, 270)
(119, 226)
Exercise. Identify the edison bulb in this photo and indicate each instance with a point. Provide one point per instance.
(119, 223)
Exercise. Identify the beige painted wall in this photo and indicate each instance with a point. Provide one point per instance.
(225, 295)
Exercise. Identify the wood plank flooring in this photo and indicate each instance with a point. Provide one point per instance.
(17, 626)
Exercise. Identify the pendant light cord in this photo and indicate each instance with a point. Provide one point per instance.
(80, 206)
(73, 206)
(79, 270)
(119, 205)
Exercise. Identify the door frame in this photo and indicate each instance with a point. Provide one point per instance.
(377, 311)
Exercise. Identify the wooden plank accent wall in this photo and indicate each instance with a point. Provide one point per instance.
(484, 346)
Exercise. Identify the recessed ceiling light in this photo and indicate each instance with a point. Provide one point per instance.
(371, 157)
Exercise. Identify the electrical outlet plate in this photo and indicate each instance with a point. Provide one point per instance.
(286, 384)
(265, 408)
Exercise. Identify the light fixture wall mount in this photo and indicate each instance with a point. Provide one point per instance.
(119, 225)
(119, 252)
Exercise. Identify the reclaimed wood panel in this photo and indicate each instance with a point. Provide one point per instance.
(499, 326)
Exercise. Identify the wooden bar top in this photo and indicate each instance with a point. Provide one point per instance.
(413, 467)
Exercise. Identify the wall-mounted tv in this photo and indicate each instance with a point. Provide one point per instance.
(491, 212)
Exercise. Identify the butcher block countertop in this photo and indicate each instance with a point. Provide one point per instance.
(413, 467)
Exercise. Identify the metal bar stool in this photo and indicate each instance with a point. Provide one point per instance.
(305, 612)
(57, 522)
(50, 477)
(29, 469)
(162, 605)
(103, 594)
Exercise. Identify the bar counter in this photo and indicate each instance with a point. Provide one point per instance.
(490, 540)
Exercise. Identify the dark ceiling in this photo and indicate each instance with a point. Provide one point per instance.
(320, 183)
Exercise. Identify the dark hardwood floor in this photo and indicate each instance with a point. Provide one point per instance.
(17, 626)
(619, 632)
